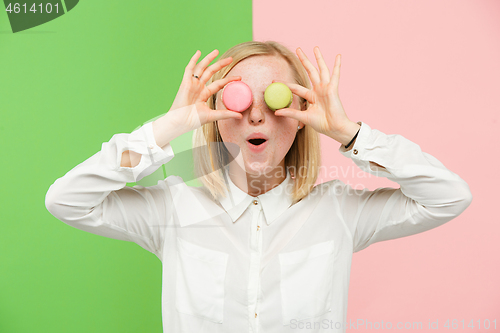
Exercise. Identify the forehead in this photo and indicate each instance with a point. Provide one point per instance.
(262, 69)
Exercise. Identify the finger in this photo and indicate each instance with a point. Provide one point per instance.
(299, 90)
(294, 114)
(311, 70)
(214, 87)
(207, 74)
(225, 114)
(324, 72)
(188, 72)
(336, 73)
(199, 69)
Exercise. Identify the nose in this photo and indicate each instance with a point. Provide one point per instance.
(258, 109)
(256, 116)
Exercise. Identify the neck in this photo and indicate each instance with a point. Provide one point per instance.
(258, 183)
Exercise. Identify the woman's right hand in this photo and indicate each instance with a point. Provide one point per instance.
(189, 109)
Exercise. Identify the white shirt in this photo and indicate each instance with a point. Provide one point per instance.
(256, 264)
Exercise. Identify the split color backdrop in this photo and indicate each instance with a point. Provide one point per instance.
(425, 69)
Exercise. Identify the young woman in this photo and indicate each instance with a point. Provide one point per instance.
(257, 248)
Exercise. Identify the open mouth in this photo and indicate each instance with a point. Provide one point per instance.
(257, 142)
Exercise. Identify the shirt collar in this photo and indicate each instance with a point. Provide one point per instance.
(274, 202)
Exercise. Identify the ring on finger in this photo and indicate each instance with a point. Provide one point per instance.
(196, 76)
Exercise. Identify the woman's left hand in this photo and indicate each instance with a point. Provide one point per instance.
(325, 113)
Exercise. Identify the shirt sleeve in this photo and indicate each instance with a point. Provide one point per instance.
(429, 194)
(93, 196)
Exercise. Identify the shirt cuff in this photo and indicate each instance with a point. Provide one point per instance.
(359, 150)
(142, 141)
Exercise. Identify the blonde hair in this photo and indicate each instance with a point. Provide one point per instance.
(304, 153)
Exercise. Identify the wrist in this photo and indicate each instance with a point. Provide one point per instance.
(165, 129)
(347, 134)
(353, 140)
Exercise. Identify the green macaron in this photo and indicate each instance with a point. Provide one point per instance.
(278, 96)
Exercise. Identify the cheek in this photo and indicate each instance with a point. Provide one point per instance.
(218, 103)
(227, 130)
(286, 134)
(295, 103)
(298, 104)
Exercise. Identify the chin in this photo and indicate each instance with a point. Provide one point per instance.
(259, 168)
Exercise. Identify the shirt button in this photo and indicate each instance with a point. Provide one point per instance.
(355, 152)
(256, 315)
(258, 227)
(255, 202)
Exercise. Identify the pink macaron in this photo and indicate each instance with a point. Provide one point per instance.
(237, 96)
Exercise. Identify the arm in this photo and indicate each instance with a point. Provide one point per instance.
(162, 137)
(429, 193)
(94, 197)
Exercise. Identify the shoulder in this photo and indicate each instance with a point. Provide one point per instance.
(177, 187)
(192, 204)
(177, 182)
(336, 188)
(332, 187)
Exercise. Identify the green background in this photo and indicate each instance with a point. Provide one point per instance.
(66, 87)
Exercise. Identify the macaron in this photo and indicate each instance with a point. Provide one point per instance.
(278, 96)
(237, 96)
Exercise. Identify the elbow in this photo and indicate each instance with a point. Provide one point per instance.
(68, 211)
(467, 199)
(50, 202)
(463, 199)
(458, 200)
(54, 203)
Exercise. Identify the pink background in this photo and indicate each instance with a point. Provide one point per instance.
(428, 70)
